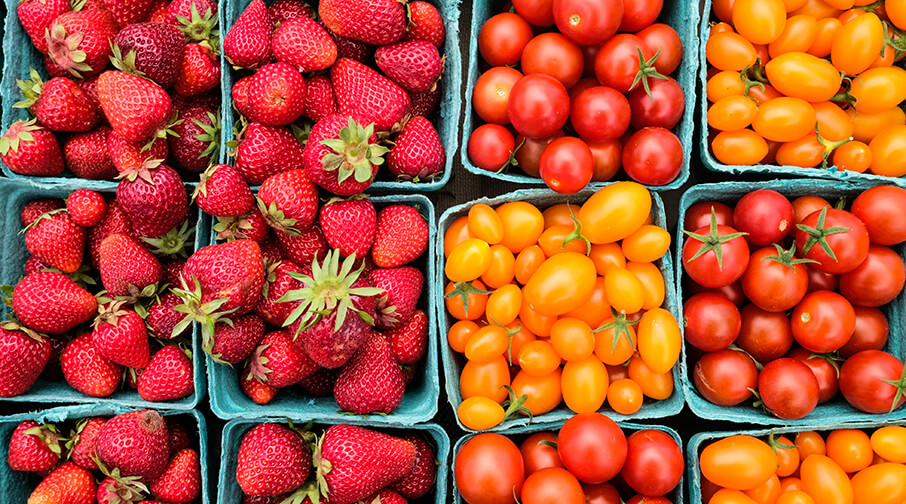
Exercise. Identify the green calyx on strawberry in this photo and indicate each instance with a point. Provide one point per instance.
(63, 50)
(125, 63)
(119, 489)
(200, 28)
(12, 325)
(22, 131)
(206, 314)
(210, 132)
(174, 243)
(31, 90)
(353, 154)
(51, 437)
(142, 172)
(277, 219)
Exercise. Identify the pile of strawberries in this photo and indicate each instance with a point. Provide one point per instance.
(343, 119)
(132, 83)
(346, 464)
(134, 248)
(136, 456)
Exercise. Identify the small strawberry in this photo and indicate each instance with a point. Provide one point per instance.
(372, 381)
(251, 226)
(409, 373)
(409, 341)
(342, 155)
(272, 251)
(248, 43)
(67, 484)
(59, 104)
(182, 13)
(278, 283)
(34, 447)
(277, 94)
(319, 99)
(127, 13)
(88, 156)
(418, 153)
(278, 362)
(178, 437)
(162, 318)
(362, 91)
(120, 336)
(35, 265)
(136, 107)
(222, 192)
(259, 393)
(86, 207)
(36, 208)
(151, 50)
(349, 225)
(402, 289)
(240, 96)
(304, 44)
(425, 23)
(378, 22)
(385, 496)
(181, 481)
(28, 148)
(52, 303)
(135, 443)
(415, 66)
(23, 354)
(289, 201)
(78, 42)
(87, 371)
(197, 138)
(401, 236)
(128, 157)
(127, 267)
(424, 104)
(153, 198)
(158, 12)
(304, 248)
(320, 383)
(36, 17)
(114, 222)
(420, 481)
(81, 442)
(235, 343)
(264, 151)
(284, 10)
(349, 48)
(57, 240)
(272, 460)
(173, 270)
(167, 377)
(199, 71)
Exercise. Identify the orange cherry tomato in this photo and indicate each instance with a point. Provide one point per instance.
(720, 28)
(732, 113)
(522, 225)
(896, 12)
(527, 263)
(658, 386)
(723, 9)
(880, 484)
(607, 256)
(502, 268)
(866, 126)
(480, 413)
(624, 290)
(804, 76)
(850, 449)
(561, 284)
(730, 51)
(727, 496)
(787, 458)
(615, 345)
(806, 152)
(474, 305)
(504, 304)
(833, 123)
(559, 215)
(535, 322)
(889, 442)
(818, 9)
(810, 443)
(858, 44)
(615, 212)
(759, 21)
(457, 232)
(584, 385)
(653, 289)
(743, 147)
(468, 260)
(485, 224)
(723, 84)
(543, 391)
(784, 119)
(647, 244)
(520, 337)
(551, 241)
(798, 36)
(459, 333)
(803, 206)
(790, 484)
(485, 380)
(888, 152)
(825, 481)
(624, 396)
(825, 32)
(572, 339)
(879, 89)
(795, 497)
(487, 344)
(538, 358)
(596, 309)
(792, 5)
(853, 156)
(767, 492)
(738, 462)
(660, 341)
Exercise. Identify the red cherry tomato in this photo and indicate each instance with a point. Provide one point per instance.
(537, 12)
(870, 333)
(537, 455)
(882, 208)
(765, 335)
(608, 159)
(588, 22)
(654, 462)
(877, 281)
(819, 280)
(553, 485)
(582, 441)
(554, 55)
(823, 322)
(788, 388)
(865, 381)
(502, 39)
(661, 106)
(489, 470)
(733, 292)
(638, 14)
(774, 281)
(825, 372)
(528, 156)
(492, 93)
(725, 377)
(706, 269)
(617, 63)
(699, 215)
(848, 247)
(663, 38)
(490, 146)
(765, 214)
(538, 106)
(711, 322)
(600, 113)
(567, 165)
(653, 156)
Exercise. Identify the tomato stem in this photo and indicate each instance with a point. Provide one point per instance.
(785, 257)
(758, 365)
(576, 233)
(463, 290)
(901, 390)
(774, 444)
(620, 326)
(713, 241)
(819, 234)
(646, 71)
(515, 405)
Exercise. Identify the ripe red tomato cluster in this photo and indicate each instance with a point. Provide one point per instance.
(575, 104)
(783, 292)
(590, 461)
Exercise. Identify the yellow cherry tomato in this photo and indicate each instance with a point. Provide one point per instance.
(538, 358)
(624, 290)
(653, 289)
(502, 269)
(738, 462)
(880, 484)
(889, 442)
(648, 244)
(468, 260)
(659, 340)
(743, 147)
(596, 309)
(879, 89)
(723, 84)
(584, 385)
(480, 413)
(487, 344)
(658, 386)
(615, 212)
(459, 333)
(850, 449)
(456, 233)
(784, 119)
(485, 380)
(485, 224)
(866, 126)
(858, 44)
(825, 32)
(624, 396)
(464, 302)
(543, 392)
(572, 339)
(535, 322)
(607, 256)
(729, 51)
(559, 215)
(798, 36)
(522, 225)
(561, 284)
(527, 263)
(552, 241)
(732, 113)
(825, 481)
(804, 76)
(759, 21)
(504, 304)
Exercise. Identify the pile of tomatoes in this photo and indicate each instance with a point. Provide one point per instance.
(575, 285)
(787, 300)
(808, 83)
(846, 466)
(574, 102)
(590, 461)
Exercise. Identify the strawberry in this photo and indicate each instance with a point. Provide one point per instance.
(274, 499)
(182, 13)
(425, 23)
(259, 393)
(167, 377)
(265, 151)
(87, 371)
(178, 437)
(113, 222)
(23, 355)
(197, 138)
(402, 289)
(355, 462)
(158, 11)
(415, 65)
(361, 90)
(278, 283)
(240, 96)
(28, 148)
(87, 155)
(401, 236)
(385, 496)
(173, 270)
(129, 156)
(378, 22)
(304, 248)
(409, 341)
(181, 481)
(52, 303)
(319, 99)
(304, 44)
(86, 207)
(37, 15)
(127, 267)
(151, 50)
(284, 10)
(136, 107)
(162, 318)
(120, 336)
(81, 442)
(372, 381)
(117, 489)
(59, 104)
(252, 226)
(349, 225)
(289, 201)
(199, 71)
(248, 43)
(67, 484)
(349, 48)
(420, 481)
(222, 192)
(229, 271)
(424, 104)
(409, 373)
(36, 208)
(272, 251)
(127, 13)
(35, 265)
(272, 460)
(418, 153)
(342, 155)
(34, 447)
(57, 240)
(153, 198)
(236, 343)
(278, 362)
(135, 443)
(276, 94)
(320, 383)
(78, 42)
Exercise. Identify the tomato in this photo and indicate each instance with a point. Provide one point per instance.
(732, 113)
(588, 22)
(538, 358)
(850, 449)
(554, 55)
(617, 62)
(784, 119)
(608, 158)
(727, 496)
(596, 308)
(503, 305)
(804, 206)
(624, 291)
(567, 165)
(858, 44)
(879, 89)
(825, 32)
(654, 462)
(602, 493)
(825, 481)
(824, 371)
(888, 152)
(890, 443)
(559, 215)
(765, 215)
(572, 339)
(467, 305)
(487, 344)
(806, 152)
(725, 377)
(881, 209)
(699, 214)
(502, 39)
(537, 323)
(853, 156)
(774, 280)
(490, 147)
(838, 231)
(764, 335)
(561, 284)
(538, 105)
(606, 257)
(738, 462)
(480, 413)
(658, 386)
(537, 12)
(817, 8)
(527, 262)
(767, 492)
(522, 225)
(542, 392)
(647, 244)
(878, 280)
(485, 224)
(624, 396)
(485, 380)
(600, 113)
(468, 260)
(723, 9)
(652, 280)
(616, 341)
(866, 126)
(707, 269)
(659, 340)
(501, 270)
(723, 84)
(615, 212)
(456, 233)
(788, 388)
(798, 35)
(552, 485)
(787, 458)
(653, 156)
(870, 333)
(823, 322)
(803, 76)
(743, 147)
(537, 455)
(880, 484)
(729, 51)
(819, 280)
(592, 447)
(795, 497)
(809, 443)
(759, 21)
(711, 321)
(661, 105)
(459, 333)
(833, 123)
(492, 93)
(551, 241)
(529, 155)
(862, 381)
(489, 470)
(662, 39)
(520, 337)
(584, 384)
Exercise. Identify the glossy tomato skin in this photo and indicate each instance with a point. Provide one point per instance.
(705, 269)
(870, 333)
(592, 447)
(537, 12)
(489, 470)
(600, 113)
(862, 381)
(878, 280)
(699, 215)
(733, 292)
(663, 108)
(555, 55)
(825, 373)
(880, 483)
(538, 105)
(765, 335)
(711, 322)
(552, 485)
(882, 208)
(539, 456)
(823, 322)
(502, 39)
(653, 156)
(819, 280)
(738, 462)
(588, 22)
(615, 212)
(788, 388)
(492, 93)
(772, 285)
(603, 493)
(617, 62)
(608, 157)
(490, 146)
(765, 214)
(639, 14)
(567, 165)
(660, 36)
(529, 154)
(654, 462)
(725, 377)
(850, 247)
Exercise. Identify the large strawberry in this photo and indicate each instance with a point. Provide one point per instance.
(36, 16)
(342, 154)
(87, 371)
(418, 153)
(127, 267)
(181, 481)
(199, 70)
(68, 483)
(289, 201)
(152, 50)
(222, 192)
(136, 107)
(378, 22)
(304, 248)
(278, 362)
(114, 221)
(272, 460)
(34, 447)
(235, 342)
(276, 94)
(355, 462)
(127, 13)
(23, 355)
(168, 376)
(320, 101)
(120, 336)
(361, 90)
(401, 236)
(304, 44)
(82, 439)
(28, 148)
(248, 43)
(425, 23)
(415, 65)
(59, 104)
(52, 303)
(420, 481)
(349, 225)
(197, 138)
(129, 156)
(372, 381)
(409, 341)
(153, 198)
(264, 151)
(135, 443)
(78, 42)
(402, 289)
(56, 240)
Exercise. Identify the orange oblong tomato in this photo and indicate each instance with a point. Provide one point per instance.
(723, 84)
(787, 458)
(485, 223)
(502, 268)
(485, 380)
(624, 396)
(802, 75)
(732, 113)
(538, 358)
(459, 333)
(896, 12)
(795, 497)
(798, 35)
(858, 44)
(879, 89)
(880, 484)
(572, 339)
(504, 304)
(480, 413)
(468, 260)
(584, 385)
(559, 215)
(817, 8)
(487, 344)
(527, 263)
(784, 119)
(825, 32)
(456, 233)
(624, 290)
(759, 21)
(833, 123)
(660, 340)
(866, 126)
(825, 481)
(596, 308)
(889, 442)
(806, 152)
(607, 256)
(792, 5)
(543, 392)
(553, 238)
(647, 244)
(853, 156)
(615, 341)
(744, 147)
(653, 289)
(888, 152)
(520, 336)
(561, 284)
(727, 496)
(729, 51)
(767, 492)
(658, 386)
(809, 443)
(615, 212)
(738, 462)
(465, 303)
(537, 323)
(522, 225)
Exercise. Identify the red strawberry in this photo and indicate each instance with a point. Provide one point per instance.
(199, 71)
(289, 201)
(284, 10)
(402, 290)
(154, 199)
(29, 149)
(87, 371)
(418, 153)
(319, 99)
(349, 48)
(181, 481)
(248, 43)
(240, 95)
(52, 303)
(197, 139)
(67, 484)
(127, 267)
(355, 462)
(278, 362)
(23, 355)
(401, 236)
(409, 341)
(57, 240)
(425, 23)
(259, 393)
(167, 377)
(277, 94)
(278, 283)
(135, 443)
(114, 222)
(116, 489)
(304, 248)
(378, 22)
(136, 107)
(181, 13)
(420, 481)
(59, 104)
(349, 225)
(320, 383)
(81, 441)
(334, 157)
(252, 226)
(360, 90)
(424, 104)
(385, 496)
(127, 13)
(178, 437)
(265, 151)
(37, 15)
(86, 207)
(87, 155)
(158, 12)
(158, 50)
(230, 271)
(236, 343)
(129, 156)
(223, 192)
(272, 460)
(173, 270)
(272, 251)
(34, 447)
(35, 265)
(304, 44)
(36, 208)
(415, 66)
(78, 42)
(372, 381)
(162, 318)
(120, 336)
